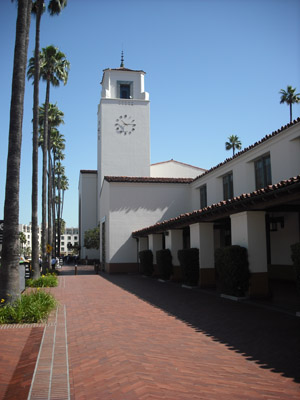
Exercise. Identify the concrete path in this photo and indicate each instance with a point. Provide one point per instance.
(126, 337)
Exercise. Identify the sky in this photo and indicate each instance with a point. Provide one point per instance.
(214, 68)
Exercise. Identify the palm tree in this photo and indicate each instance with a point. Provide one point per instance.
(54, 8)
(54, 68)
(9, 271)
(55, 118)
(289, 97)
(234, 143)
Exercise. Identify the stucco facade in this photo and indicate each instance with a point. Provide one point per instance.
(248, 199)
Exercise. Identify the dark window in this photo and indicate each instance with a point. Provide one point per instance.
(263, 172)
(228, 186)
(124, 91)
(203, 196)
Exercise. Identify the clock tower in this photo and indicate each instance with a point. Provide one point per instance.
(123, 125)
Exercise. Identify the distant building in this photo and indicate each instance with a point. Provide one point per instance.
(70, 236)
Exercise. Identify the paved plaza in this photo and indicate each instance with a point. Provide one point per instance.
(126, 337)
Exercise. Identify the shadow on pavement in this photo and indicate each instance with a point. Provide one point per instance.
(265, 337)
(81, 270)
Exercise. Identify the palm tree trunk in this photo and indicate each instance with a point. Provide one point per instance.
(291, 113)
(49, 194)
(44, 183)
(53, 206)
(9, 271)
(34, 195)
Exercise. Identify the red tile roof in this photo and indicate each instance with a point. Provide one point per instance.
(88, 171)
(243, 202)
(267, 137)
(137, 179)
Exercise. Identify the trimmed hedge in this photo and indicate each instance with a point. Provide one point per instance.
(232, 270)
(295, 249)
(189, 262)
(146, 262)
(164, 263)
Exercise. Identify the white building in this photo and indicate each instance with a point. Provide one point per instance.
(250, 199)
(71, 236)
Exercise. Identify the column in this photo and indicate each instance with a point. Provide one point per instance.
(202, 237)
(174, 242)
(248, 229)
(155, 243)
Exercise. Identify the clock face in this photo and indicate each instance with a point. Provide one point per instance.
(125, 124)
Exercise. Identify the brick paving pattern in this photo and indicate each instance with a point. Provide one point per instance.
(133, 338)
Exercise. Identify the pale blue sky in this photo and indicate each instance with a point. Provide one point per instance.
(214, 68)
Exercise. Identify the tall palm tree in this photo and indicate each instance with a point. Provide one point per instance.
(55, 118)
(37, 9)
(9, 271)
(289, 97)
(54, 8)
(233, 143)
(54, 68)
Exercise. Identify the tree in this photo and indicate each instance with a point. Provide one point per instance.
(54, 8)
(289, 97)
(233, 143)
(92, 238)
(23, 240)
(54, 68)
(55, 143)
(9, 271)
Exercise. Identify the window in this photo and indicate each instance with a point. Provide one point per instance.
(228, 186)
(62, 249)
(69, 238)
(75, 237)
(263, 172)
(203, 196)
(62, 243)
(124, 90)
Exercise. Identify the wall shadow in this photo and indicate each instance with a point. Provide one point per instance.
(268, 338)
(19, 385)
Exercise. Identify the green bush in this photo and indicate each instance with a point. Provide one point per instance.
(189, 262)
(146, 261)
(48, 280)
(232, 270)
(295, 248)
(30, 308)
(164, 263)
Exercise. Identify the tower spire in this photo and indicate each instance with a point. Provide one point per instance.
(122, 60)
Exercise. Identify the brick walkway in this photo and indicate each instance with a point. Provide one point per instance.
(130, 338)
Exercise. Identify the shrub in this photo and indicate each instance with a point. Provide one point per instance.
(48, 280)
(295, 249)
(30, 308)
(232, 270)
(164, 263)
(189, 262)
(146, 261)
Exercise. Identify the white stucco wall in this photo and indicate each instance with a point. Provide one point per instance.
(284, 150)
(119, 154)
(134, 206)
(112, 76)
(174, 169)
(88, 209)
(282, 239)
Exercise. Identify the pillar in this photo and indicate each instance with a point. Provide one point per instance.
(248, 229)
(174, 242)
(202, 237)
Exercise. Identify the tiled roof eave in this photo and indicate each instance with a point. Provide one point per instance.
(232, 206)
(137, 179)
(246, 149)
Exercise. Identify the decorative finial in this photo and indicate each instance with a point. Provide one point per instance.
(122, 60)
